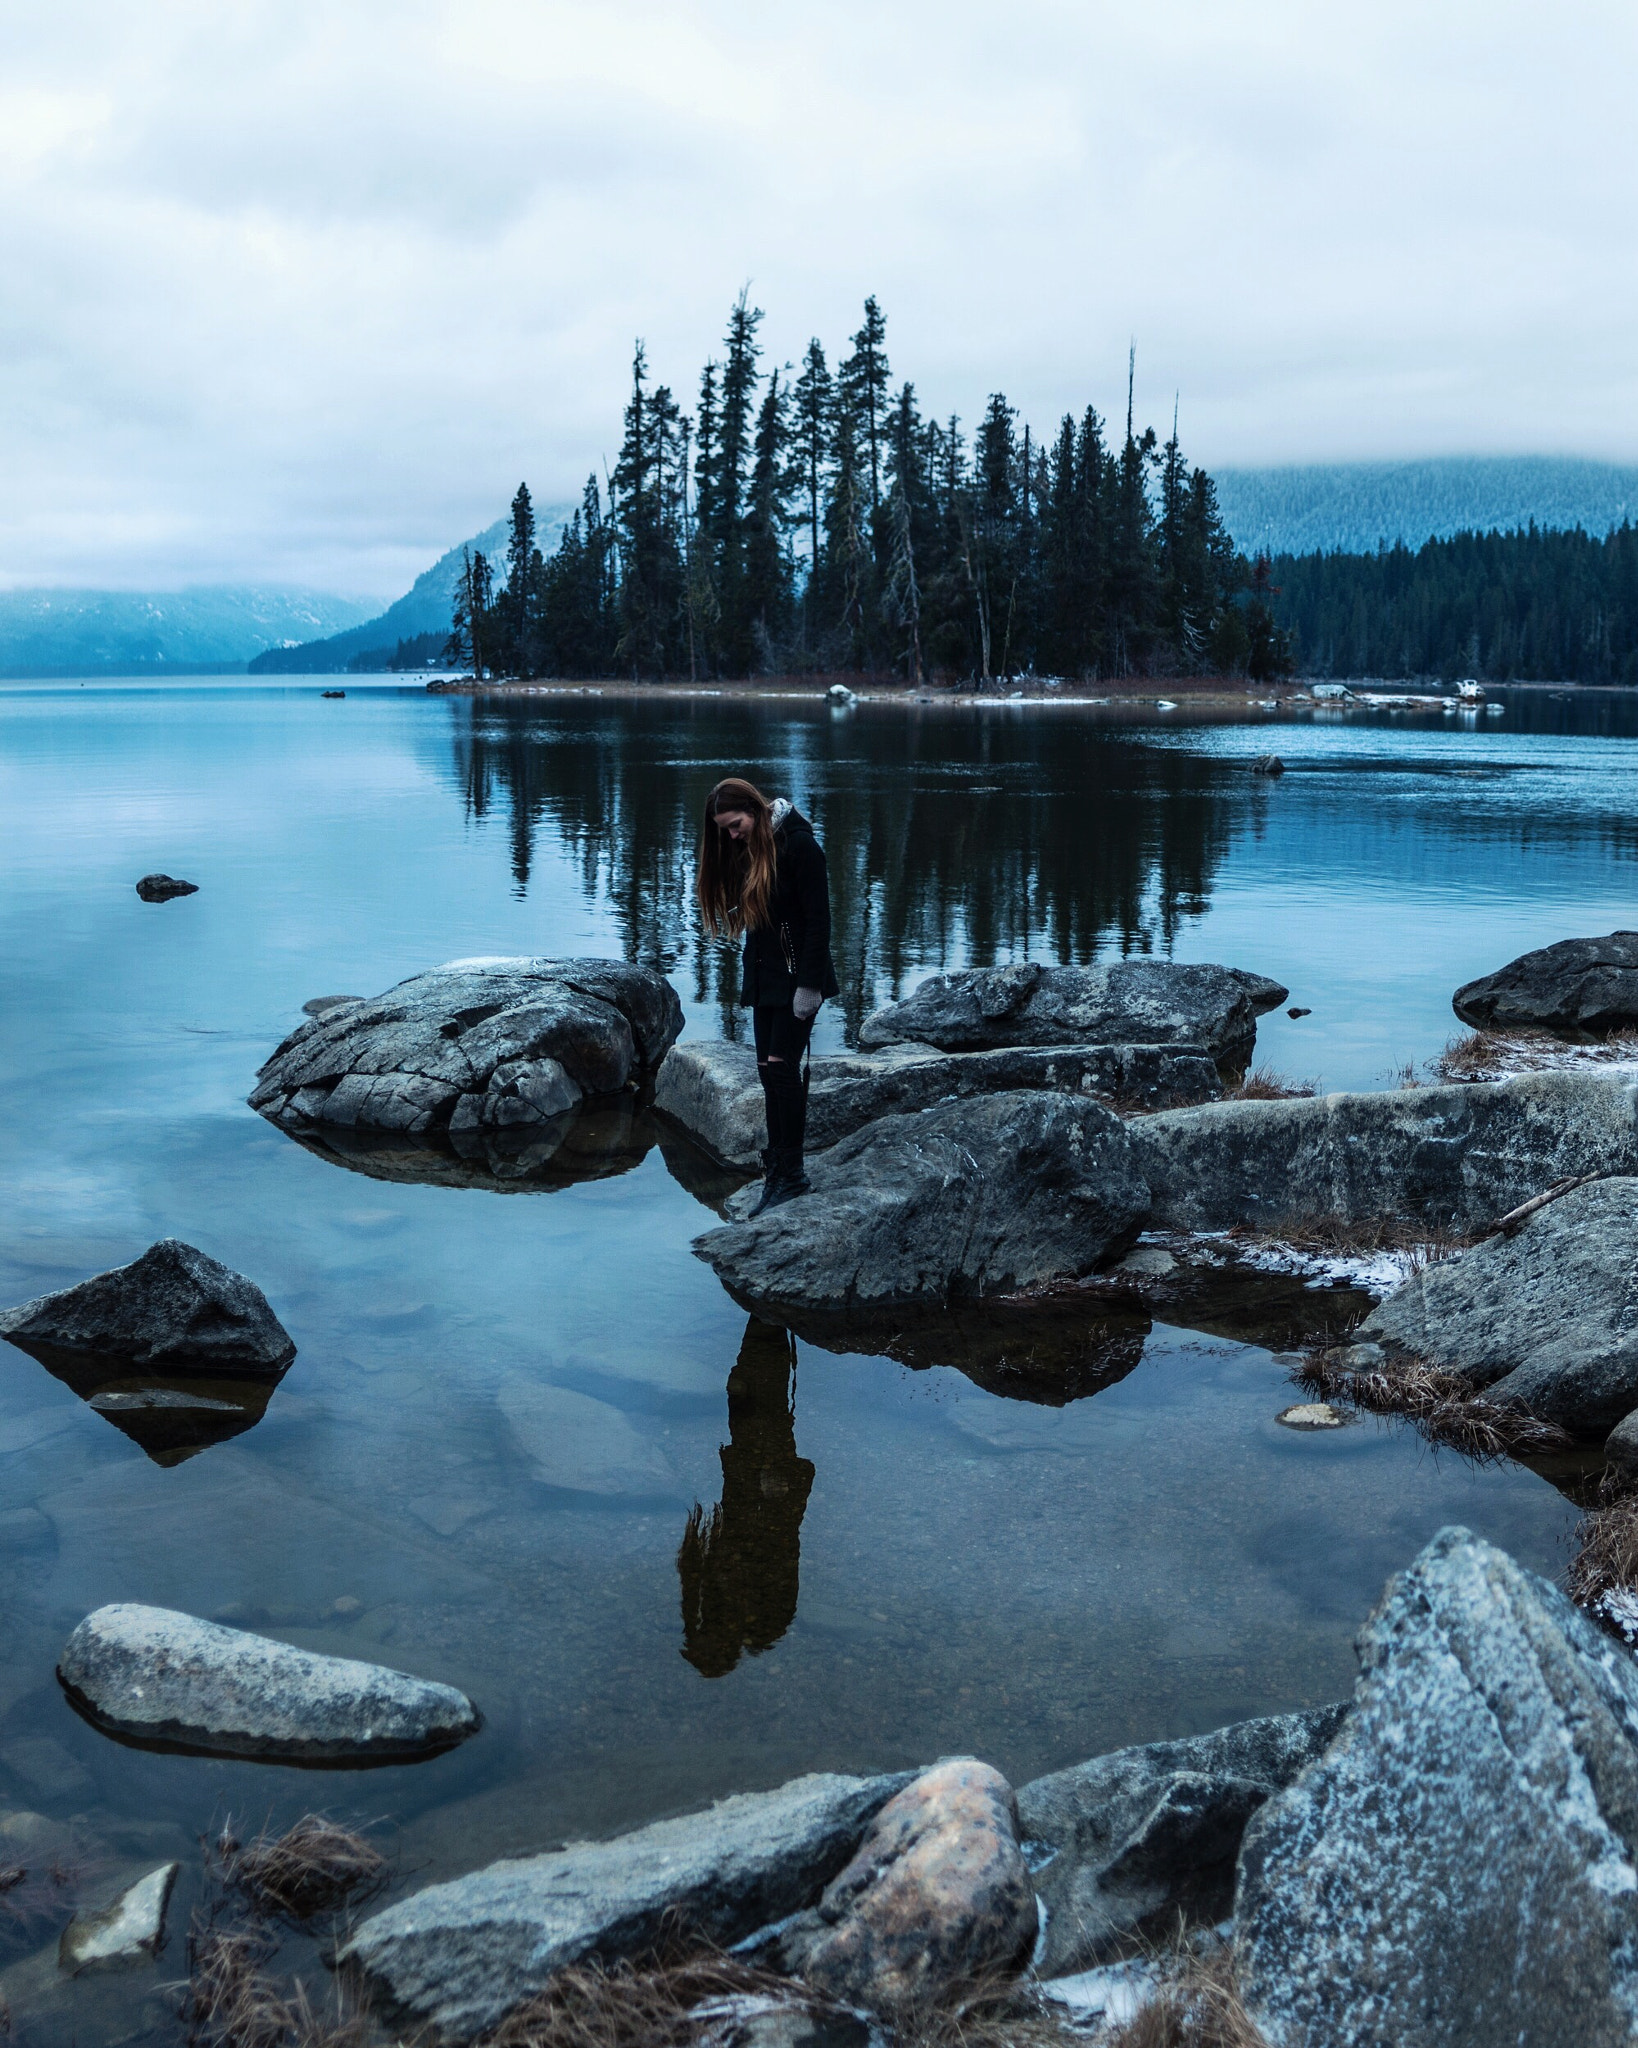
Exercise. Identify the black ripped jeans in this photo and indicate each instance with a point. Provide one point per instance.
(781, 1041)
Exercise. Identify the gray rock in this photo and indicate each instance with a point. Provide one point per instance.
(1457, 1870)
(1142, 1835)
(1127, 1002)
(1543, 1319)
(1460, 1156)
(161, 888)
(1577, 987)
(988, 1196)
(1268, 764)
(458, 1957)
(477, 1045)
(173, 1309)
(48, 1770)
(585, 1445)
(1621, 1445)
(936, 1896)
(170, 1679)
(711, 1088)
(129, 1931)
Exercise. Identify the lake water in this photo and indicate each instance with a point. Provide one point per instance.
(904, 1565)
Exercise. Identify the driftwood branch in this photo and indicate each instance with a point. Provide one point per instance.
(1515, 1219)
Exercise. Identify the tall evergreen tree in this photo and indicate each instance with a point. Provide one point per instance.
(865, 378)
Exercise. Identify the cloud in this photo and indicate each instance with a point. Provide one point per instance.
(298, 292)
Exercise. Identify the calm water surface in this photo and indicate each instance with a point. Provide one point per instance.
(873, 1565)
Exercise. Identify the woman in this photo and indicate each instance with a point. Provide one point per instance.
(762, 873)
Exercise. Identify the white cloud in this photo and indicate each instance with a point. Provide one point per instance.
(300, 291)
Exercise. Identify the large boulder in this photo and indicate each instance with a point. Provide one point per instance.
(1457, 1870)
(1543, 1318)
(1578, 988)
(1460, 1157)
(989, 1196)
(173, 1309)
(457, 1957)
(935, 1897)
(475, 1046)
(168, 1679)
(1126, 1002)
(1133, 1840)
(711, 1088)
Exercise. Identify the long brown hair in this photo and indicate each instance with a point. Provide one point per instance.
(735, 880)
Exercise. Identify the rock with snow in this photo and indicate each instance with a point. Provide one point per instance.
(173, 1309)
(1545, 1320)
(477, 1045)
(457, 1957)
(1126, 1002)
(1124, 1845)
(983, 1197)
(1577, 987)
(128, 1932)
(1458, 1157)
(711, 1088)
(1458, 1868)
(165, 1678)
(935, 1897)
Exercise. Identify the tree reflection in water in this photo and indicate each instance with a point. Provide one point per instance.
(740, 1564)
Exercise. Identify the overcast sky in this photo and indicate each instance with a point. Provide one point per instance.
(298, 291)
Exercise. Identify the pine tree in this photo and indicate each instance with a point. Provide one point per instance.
(472, 620)
(864, 379)
(767, 563)
(515, 611)
(812, 405)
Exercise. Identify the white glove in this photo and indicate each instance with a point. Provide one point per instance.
(805, 1004)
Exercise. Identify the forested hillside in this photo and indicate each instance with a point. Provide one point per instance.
(817, 521)
(1534, 606)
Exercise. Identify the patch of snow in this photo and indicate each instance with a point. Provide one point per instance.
(1112, 1995)
(1619, 1608)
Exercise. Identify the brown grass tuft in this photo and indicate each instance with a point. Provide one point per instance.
(1441, 1404)
(1264, 1084)
(1198, 2006)
(311, 1868)
(1606, 1558)
(233, 2002)
(652, 2003)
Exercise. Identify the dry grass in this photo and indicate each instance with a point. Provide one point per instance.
(652, 2003)
(1349, 1237)
(1486, 1055)
(1441, 1404)
(313, 1867)
(1198, 2006)
(1265, 1084)
(1606, 1558)
(233, 2001)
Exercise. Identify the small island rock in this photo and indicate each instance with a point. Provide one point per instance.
(175, 1308)
(167, 1678)
(472, 1046)
(129, 1931)
(161, 888)
(1127, 1002)
(1578, 987)
(1456, 1870)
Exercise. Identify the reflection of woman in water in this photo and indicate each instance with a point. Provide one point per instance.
(762, 873)
(740, 1564)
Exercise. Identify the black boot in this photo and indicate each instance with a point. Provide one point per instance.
(770, 1174)
(787, 1181)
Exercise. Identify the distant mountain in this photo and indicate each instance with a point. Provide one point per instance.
(423, 609)
(1357, 505)
(213, 629)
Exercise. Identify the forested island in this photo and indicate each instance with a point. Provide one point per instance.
(817, 522)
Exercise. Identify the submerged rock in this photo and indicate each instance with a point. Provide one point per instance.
(1144, 1835)
(474, 1046)
(1460, 1156)
(582, 1444)
(129, 1931)
(1127, 1002)
(712, 1090)
(936, 1896)
(161, 888)
(458, 1957)
(1543, 1319)
(988, 1196)
(173, 1308)
(1579, 987)
(1457, 1869)
(169, 1679)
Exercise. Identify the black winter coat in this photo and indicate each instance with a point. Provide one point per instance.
(799, 917)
